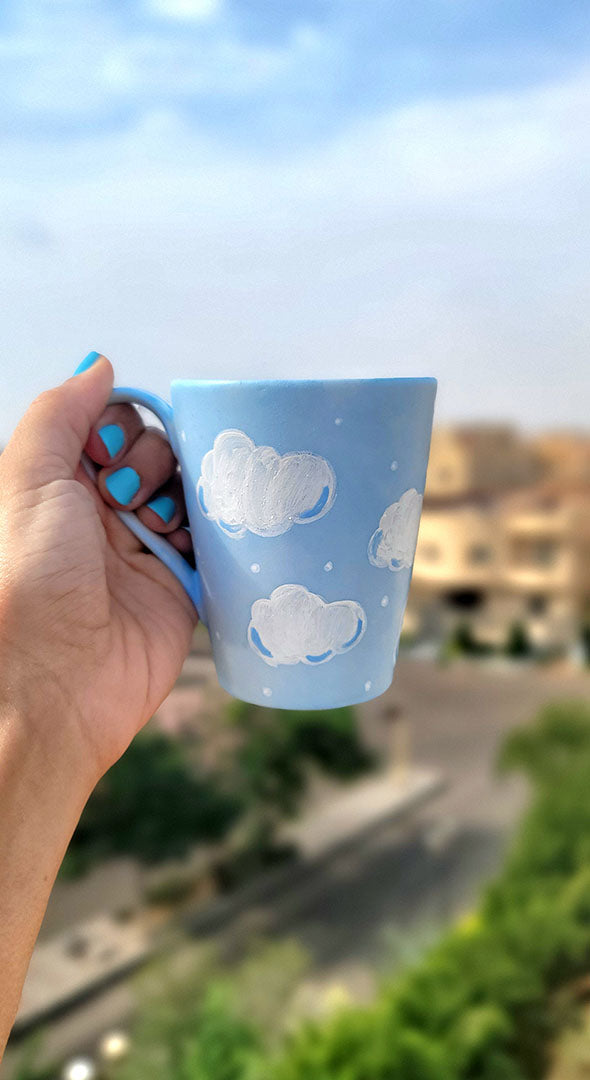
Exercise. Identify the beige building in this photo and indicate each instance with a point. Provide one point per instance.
(499, 543)
(479, 459)
(564, 457)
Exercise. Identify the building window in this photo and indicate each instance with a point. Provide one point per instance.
(465, 599)
(478, 554)
(537, 604)
(429, 552)
(544, 552)
(535, 553)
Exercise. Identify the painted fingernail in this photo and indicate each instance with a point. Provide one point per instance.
(163, 507)
(113, 437)
(87, 362)
(123, 485)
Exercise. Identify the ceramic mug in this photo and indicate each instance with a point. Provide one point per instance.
(304, 502)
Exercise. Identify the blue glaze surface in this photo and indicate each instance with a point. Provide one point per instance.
(379, 421)
(283, 481)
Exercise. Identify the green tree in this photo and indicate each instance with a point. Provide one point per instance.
(203, 1025)
(154, 804)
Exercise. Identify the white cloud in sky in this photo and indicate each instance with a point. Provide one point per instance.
(442, 238)
(186, 9)
(80, 66)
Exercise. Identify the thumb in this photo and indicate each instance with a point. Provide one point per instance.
(51, 436)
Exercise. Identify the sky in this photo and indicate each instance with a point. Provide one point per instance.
(248, 188)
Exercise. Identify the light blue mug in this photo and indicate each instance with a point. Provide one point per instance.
(304, 502)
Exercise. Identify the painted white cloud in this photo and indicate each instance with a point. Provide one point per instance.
(244, 487)
(393, 544)
(294, 625)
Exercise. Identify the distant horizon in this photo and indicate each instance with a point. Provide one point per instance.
(450, 424)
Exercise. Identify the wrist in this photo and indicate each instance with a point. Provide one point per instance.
(41, 798)
(40, 751)
(34, 702)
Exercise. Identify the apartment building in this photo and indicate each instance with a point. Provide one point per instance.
(504, 537)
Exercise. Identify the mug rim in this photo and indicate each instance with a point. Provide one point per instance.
(208, 383)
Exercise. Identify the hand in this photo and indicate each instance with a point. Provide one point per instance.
(93, 630)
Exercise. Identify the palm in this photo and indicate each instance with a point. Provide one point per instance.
(123, 612)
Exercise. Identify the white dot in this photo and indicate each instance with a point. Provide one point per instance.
(218, 635)
(183, 436)
(266, 690)
(368, 685)
(329, 566)
(384, 601)
(255, 568)
(338, 420)
(394, 465)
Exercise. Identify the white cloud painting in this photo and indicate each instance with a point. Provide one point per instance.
(294, 625)
(249, 488)
(393, 543)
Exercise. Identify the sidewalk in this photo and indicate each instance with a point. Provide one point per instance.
(341, 823)
(70, 966)
(362, 805)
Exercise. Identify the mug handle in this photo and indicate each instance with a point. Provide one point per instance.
(156, 543)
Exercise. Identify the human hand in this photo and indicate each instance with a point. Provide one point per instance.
(93, 630)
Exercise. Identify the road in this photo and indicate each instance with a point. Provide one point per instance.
(353, 911)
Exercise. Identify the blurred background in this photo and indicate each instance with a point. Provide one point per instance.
(232, 188)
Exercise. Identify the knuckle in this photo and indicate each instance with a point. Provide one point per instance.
(45, 398)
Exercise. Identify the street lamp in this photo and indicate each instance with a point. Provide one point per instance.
(80, 1069)
(114, 1046)
(400, 743)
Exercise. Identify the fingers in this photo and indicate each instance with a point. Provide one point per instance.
(165, 512)
(113, 435)
(48, 441)
(138, 474)
(182, 541)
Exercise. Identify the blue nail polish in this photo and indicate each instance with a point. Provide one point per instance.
(113, 437)
(123, 485)
(163, 507)
(87, 362)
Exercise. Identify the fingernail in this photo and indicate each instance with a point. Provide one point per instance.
(163, 507)
(113, 437)
(87, 362)
(123, 484)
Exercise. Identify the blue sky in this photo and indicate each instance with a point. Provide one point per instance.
(239, 187)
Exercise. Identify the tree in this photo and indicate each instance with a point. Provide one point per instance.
(204, 1025)
(153, 804)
